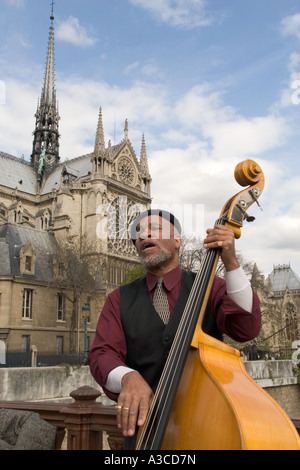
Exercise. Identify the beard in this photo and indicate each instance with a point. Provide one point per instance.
(155, 260)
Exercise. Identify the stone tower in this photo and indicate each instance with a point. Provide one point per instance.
(45, 151)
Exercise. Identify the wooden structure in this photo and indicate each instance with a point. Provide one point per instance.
(83, 422)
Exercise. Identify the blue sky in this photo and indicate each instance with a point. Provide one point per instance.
(209, 83)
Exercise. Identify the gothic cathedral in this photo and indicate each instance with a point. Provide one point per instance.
(49, 203)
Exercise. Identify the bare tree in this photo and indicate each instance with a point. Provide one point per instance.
(76, 272)
(192, 253)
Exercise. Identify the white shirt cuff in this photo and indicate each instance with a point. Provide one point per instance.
(239, 288)
(114, 379)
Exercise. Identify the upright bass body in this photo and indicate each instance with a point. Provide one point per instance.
(219, 407)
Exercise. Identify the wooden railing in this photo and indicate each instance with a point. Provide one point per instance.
(84, 424)
(296, 423)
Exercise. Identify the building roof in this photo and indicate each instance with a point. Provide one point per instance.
(78, 168)
(12, 238)
(20, 174)
(17, 173)
(283, 277)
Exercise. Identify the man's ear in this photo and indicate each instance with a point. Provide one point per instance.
(178, 241)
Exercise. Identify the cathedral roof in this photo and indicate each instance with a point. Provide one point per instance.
(283, 277)
(78, 168)
(17, 173)
(13, 237)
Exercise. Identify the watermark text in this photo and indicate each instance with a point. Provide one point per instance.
(296, 94)
(117, 218)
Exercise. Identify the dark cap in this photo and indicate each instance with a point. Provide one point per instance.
(162, 213)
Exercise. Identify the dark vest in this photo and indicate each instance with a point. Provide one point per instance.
(148, 339)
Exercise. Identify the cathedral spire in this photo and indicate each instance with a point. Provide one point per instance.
(126, 130)
(100, 142)
(145, 168)
(48, 93)
(144, 159)
(45, 152)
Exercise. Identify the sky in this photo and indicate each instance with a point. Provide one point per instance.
(209, 83)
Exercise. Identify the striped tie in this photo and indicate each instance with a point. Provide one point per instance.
(160, 301)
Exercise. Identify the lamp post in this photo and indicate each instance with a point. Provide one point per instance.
(86, 314)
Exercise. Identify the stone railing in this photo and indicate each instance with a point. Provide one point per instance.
(84, 424)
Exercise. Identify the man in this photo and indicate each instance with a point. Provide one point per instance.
(132, 341)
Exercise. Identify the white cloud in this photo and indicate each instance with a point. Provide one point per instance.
(290, 94)
(203, 110)
(290, 25)
(149, 70)
(71, 31)
(248, 136)
(17, 118)
(178, 13)
(142, 104)
(294, 62)
(131, 67)
(24, 43)
(16, 3)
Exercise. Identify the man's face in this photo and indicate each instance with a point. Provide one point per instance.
(156, 241)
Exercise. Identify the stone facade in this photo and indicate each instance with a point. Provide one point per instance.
(280, 304)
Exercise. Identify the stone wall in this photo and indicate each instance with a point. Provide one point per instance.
(44, 383)
(278, 379)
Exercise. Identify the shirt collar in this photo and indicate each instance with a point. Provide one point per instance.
(170, 279)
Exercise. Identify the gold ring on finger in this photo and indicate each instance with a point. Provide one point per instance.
(118, 407)
(125, 408)
(220, 244)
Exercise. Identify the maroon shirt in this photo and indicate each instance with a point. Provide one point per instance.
(109, 350)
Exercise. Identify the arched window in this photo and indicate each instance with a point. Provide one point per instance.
(291, 322)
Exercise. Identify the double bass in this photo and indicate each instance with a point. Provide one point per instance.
(205, 399)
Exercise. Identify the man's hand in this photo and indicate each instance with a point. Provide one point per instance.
(223, 238)
(133, 403)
